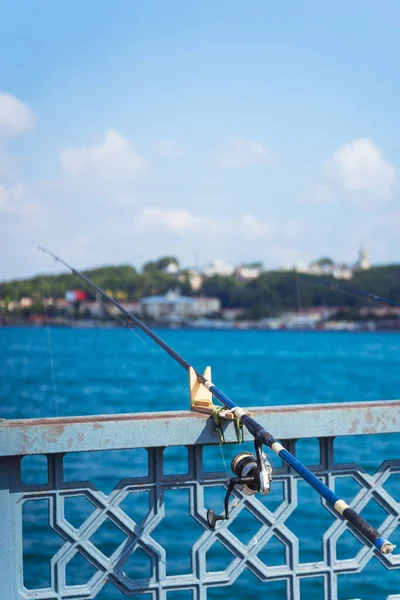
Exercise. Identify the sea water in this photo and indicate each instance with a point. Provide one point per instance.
(47, 372)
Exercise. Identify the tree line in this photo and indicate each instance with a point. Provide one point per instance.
(271, 293)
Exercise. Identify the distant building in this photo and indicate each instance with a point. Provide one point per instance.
(25, 302)
(314, 313)
(300, 321)
(174, 307)
(248, 272)
(271, 323)
(380, 311)
(94, 308)
(207, 306)
(75, 296)
(195, 279)
(168, 307)
(363, 260)
(342, 272)
(132, 307)
(231, 314)
(171, 269)
(61, 303)
(218, 267)
(338, 271)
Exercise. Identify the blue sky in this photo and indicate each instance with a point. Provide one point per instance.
(242, 131)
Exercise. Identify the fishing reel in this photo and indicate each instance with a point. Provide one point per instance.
(253, 474)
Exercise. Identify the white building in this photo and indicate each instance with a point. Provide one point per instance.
(207, 306)
(133, 307)
(218, 267)
(247, 272)
(231, 314)
(363, 260)
(27, 302)
(338, 271)
(170, 307)
(342, 272)
(174, 307)
(195, 280)
(300, 321)
(171, 269)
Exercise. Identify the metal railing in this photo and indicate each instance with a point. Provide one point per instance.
(56, 439)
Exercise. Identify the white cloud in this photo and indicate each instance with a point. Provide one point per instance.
(290, 230)
(252, 228)
(15, 116)
(12, 201)
(323, 194)
(359, 166)
(168, 149)
(114, 158)
(239, 154)
(212, 183)
(8, 162)
(182, 222)
(179, 221)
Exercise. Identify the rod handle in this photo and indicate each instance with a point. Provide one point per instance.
(359, 523)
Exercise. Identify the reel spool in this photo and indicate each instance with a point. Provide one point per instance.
(245, 465)
(253, 474)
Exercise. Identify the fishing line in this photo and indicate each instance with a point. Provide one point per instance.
(50, 347)
(23, 392)
(261, 435)
(134, 331)
(130, 326)
(303, 353)
(356, 292)
(223, 459)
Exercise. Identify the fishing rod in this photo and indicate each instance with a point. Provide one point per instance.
(254, 476)
(349, 290)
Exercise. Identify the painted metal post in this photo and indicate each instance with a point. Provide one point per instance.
(10, 540)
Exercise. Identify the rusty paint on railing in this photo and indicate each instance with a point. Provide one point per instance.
(112, 432)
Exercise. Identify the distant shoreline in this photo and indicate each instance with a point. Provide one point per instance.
(189, 328)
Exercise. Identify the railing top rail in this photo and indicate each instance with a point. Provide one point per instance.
(177, 428)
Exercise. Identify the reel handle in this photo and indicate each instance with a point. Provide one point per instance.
(212, 518)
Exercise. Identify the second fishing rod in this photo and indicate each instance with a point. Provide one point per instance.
(260, 434)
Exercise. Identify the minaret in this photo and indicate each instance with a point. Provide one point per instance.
(363, 261)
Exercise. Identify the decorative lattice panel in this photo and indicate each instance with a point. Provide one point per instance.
(135, 561)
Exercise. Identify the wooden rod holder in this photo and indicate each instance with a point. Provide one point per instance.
(201, 399)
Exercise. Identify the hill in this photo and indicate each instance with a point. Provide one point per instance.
(270, 293)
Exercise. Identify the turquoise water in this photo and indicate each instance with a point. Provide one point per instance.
(58, 372)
